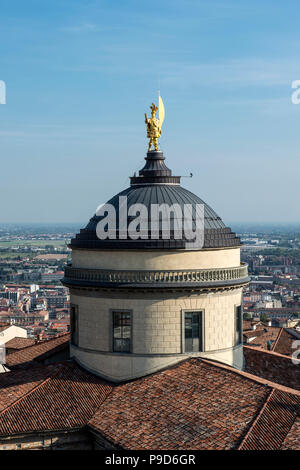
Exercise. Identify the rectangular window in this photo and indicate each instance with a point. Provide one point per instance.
(122, 332)
(74, 324)
(192, 331)
(238, 325)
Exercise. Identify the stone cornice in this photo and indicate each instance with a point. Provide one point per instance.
(216, 278)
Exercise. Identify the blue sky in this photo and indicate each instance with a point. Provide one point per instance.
(80, 75)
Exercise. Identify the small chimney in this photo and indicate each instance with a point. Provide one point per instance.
(253, 326)
(39, 337)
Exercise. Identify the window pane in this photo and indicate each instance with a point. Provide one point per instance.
(74, 324)
(121, 345)
(126, 331)
(238, 325)
(121, 331)
(188, 326)
(192, 331)
(195, 325)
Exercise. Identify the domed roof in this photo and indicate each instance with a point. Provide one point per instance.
(160, 194)
(156, 185)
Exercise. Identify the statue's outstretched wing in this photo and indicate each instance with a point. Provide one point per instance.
(161, 111)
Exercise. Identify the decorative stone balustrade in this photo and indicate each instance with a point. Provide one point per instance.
(138, 278)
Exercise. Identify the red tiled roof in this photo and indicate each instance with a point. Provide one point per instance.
(273, 422)
(292, 441)
(253, 333)
(247, 324)
(66, 399)
(14, 385)
(37, 352)
(194, 405)
(263, 334)
(19, 343)
(4, 326)
(278, 339)
(272, 366)
(212, 407)
(284, 343)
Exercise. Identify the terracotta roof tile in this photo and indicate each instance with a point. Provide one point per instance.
(273, 366)
(273, 423)
(292, 441)
(253, 333)
(4, 326)
(67, 399)
(19, 343)
(263, 335)
(37, 352)
(14, 385)
(247, 324)
(284, 343)
(194, 405)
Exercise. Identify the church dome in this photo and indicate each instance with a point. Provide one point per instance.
(156, 185)
(156, 277)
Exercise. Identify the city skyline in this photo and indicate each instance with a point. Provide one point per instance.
(79, 77)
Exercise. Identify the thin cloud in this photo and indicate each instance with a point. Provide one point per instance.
(56, 131)
(242, 72)
(81, 28)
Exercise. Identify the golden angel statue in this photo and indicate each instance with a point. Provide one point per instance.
(154, 124)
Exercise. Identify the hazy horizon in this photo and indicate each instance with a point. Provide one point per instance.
(238, 224)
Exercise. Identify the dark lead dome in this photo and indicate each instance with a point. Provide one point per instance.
(156, 185)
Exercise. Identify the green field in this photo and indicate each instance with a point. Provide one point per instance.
(15, 243)
(10, 255)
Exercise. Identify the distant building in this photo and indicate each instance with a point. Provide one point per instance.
(56, 301)
(57, 276)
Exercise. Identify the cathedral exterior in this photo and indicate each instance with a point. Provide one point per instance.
(141, 305)
(155, 359)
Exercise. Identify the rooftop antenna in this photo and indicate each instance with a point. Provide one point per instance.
(158, 105)
(158, 87)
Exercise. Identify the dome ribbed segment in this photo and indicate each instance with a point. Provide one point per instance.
(156, 185)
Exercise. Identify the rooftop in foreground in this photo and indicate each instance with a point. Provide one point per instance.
(212, 407)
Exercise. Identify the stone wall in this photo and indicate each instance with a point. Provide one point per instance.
(157, 319)
(157, 329)
(51, 441)
(156, 260)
